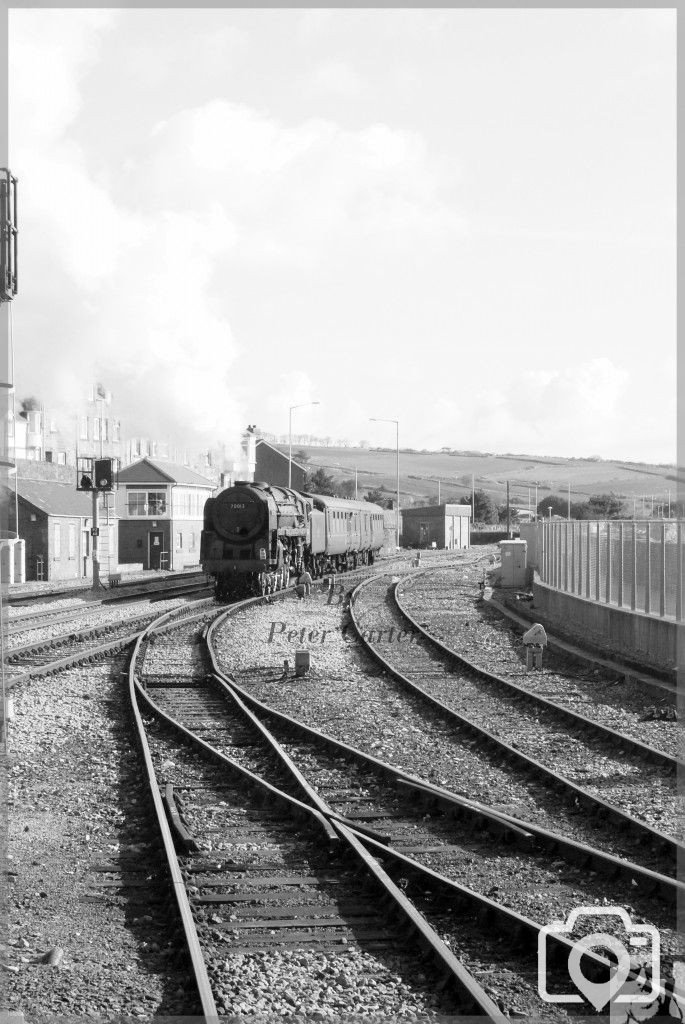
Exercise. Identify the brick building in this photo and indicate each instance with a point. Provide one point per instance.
(271, 465)
(446, 526)
(160, 506)
(55, 521)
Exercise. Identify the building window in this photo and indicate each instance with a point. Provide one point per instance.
(179, 541)
(157, 503)
(83, 428)
(61, 458)
(191, 542)
(105, 430)
(146, 503)
(56, 541)
(96, 429)
(48, 456)
(72, 541)
(137, 503)
(116, 428)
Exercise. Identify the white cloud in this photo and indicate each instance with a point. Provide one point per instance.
(336, 78)
(49, 54)
(295, 191)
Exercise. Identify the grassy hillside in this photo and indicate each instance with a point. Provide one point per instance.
(420, 471)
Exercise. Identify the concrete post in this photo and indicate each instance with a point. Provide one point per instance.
(662, 591)
(648, 571)
(679, 577)
(573, 558)
(597, 567)
(608, 593)
(633, 596)
(587, 561)
(621, 564)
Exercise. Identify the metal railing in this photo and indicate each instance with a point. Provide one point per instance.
(634, 564)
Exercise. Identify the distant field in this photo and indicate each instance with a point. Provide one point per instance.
(420, 471)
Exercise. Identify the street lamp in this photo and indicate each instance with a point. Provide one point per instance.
(290, 437)
(374, 419)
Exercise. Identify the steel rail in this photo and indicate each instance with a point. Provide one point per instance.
(522, 931)
(471, 995)
(587, 725)
(499, 824)
(91, 653)
(204, 988)
(146, 587)
(473, 998)
(603, 808)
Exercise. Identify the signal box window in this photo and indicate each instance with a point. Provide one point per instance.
(147, 503)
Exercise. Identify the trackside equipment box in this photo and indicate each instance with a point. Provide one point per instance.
(513, 562)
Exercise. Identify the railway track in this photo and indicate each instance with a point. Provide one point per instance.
(512, 890)
(43, 657)
(271, 889)
(416, 845)
(453, 612)
(512, 732)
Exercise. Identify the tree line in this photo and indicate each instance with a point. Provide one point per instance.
(486, 510)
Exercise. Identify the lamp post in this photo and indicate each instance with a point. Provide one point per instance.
(290, 437)
(375, 419)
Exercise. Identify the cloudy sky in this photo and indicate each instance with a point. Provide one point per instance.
(464, 220)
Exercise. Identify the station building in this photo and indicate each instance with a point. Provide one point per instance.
(160, 507)
(446, 526)
(55, 522)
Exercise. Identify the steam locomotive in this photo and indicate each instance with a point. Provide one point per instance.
(252, 529)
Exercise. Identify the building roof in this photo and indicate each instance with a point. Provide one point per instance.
(55, 498)
(281, 455)
(148, 471)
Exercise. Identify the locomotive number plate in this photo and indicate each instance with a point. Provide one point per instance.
(237, 504)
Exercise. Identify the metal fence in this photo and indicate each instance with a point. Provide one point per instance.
(635, 564)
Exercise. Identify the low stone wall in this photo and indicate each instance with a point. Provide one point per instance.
(631, 636)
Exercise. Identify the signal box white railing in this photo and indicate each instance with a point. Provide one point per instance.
(634, 564)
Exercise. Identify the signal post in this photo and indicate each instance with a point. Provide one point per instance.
(96, 475)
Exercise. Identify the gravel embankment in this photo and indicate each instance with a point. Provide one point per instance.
(349, 697)
(646, 791)
(346, 696)
(447, 603)
(75, 805)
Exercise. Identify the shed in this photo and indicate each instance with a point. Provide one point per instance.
(161, 507)
(55, 522)
(446, 526)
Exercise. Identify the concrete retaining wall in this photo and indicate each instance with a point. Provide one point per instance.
(641, 638)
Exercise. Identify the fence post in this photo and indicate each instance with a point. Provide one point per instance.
(662, 589)
(587, 561)
(648, 571)
(620, 565)
(598, 568)
(608, 594)
(573, 558)
(633, 596)
(679, 577)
